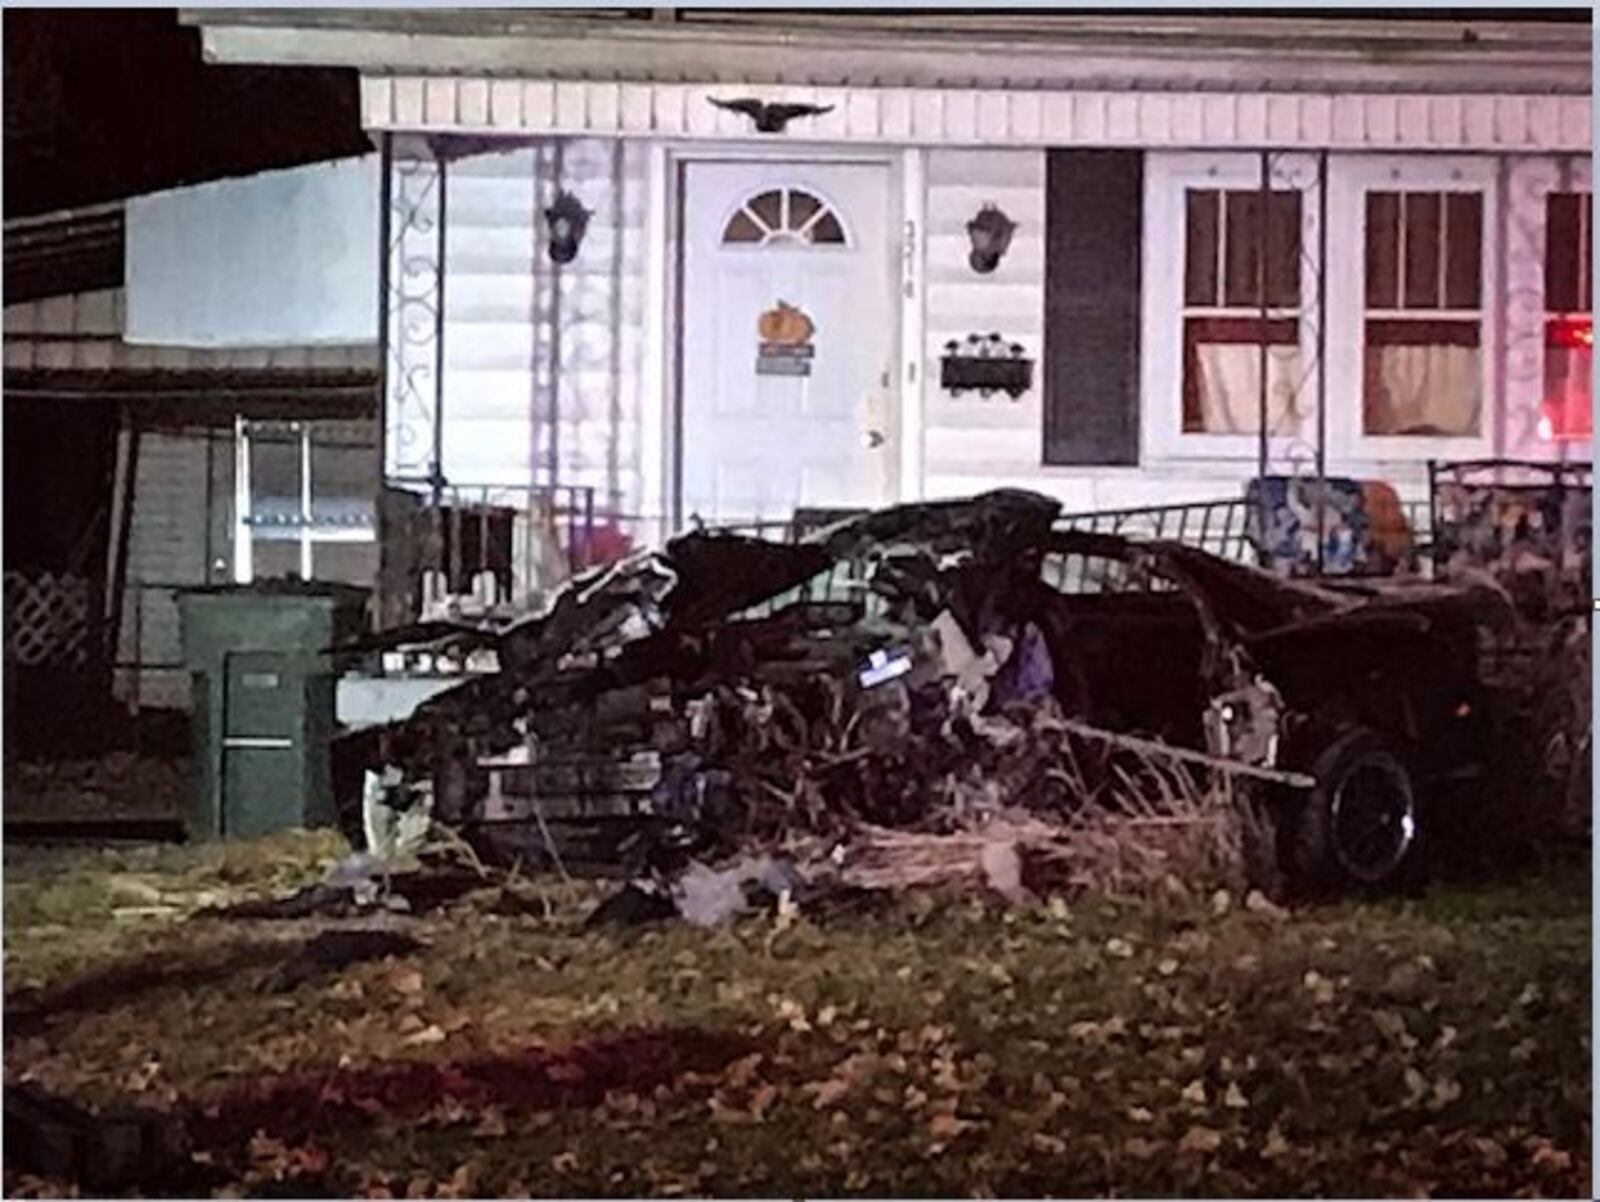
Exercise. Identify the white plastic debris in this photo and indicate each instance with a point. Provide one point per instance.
(395, 818)
(709, 897)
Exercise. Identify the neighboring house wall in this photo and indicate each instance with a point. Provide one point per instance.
(280, 259)
(180, 530)
(83, 331)
(171, 541)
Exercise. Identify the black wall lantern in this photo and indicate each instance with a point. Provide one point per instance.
(990, 232)
(567, 219)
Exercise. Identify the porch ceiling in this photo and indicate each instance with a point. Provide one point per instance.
(1010, 52)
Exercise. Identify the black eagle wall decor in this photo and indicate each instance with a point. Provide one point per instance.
(770, 118)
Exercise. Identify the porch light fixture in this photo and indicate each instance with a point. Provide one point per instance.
(568, 220)
(990, 232)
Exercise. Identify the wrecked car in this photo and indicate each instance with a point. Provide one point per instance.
(894, 669)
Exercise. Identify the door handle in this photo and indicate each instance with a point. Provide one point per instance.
(874, 439)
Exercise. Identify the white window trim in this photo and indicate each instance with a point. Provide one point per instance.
(1540, 178)
(308, 533)
(1350, 178)
(1167, 178)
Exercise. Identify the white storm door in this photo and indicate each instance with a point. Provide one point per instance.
(799, 409)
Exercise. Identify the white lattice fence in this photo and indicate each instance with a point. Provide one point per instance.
(49, 619)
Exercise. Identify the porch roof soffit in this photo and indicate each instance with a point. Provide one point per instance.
(931, 50)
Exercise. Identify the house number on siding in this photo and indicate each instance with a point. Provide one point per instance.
(908, 260)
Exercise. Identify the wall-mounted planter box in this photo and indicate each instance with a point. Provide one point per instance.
(985, 366)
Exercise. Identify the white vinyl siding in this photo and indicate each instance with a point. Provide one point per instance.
(957, 117)
(524, 340)
(968, 437)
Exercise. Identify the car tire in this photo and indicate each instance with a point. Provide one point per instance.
(1357, 827)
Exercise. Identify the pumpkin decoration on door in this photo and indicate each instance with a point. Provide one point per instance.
(785, 325)
(786, 348)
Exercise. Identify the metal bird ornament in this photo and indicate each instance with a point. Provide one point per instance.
(770, 118)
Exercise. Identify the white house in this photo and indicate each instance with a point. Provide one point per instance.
(1390, 221)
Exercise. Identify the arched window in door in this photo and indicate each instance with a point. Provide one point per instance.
(784, 217)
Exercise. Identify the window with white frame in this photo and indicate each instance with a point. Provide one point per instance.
(1241, 254)
(784, 217)
(1567, 412)
(1229, 283)
(306, 501)
(1422, 346)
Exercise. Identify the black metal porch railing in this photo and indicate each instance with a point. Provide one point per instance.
(1219, 527)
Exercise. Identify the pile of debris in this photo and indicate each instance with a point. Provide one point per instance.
(909, 670)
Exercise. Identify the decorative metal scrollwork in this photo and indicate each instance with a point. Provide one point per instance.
(414, 296)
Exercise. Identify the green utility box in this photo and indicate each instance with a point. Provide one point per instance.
(264, 687)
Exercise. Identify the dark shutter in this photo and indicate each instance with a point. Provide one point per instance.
(1093, 223)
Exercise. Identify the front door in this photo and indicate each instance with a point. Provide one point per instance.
(789, 337)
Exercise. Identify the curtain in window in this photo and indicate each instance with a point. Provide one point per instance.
(1222, 376)
(1422, 378)
(1229, 389)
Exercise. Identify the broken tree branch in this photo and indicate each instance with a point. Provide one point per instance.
(1296, 780)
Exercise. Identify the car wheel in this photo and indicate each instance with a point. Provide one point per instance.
(1358, 826)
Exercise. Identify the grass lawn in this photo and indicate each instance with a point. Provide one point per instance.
(1190, 1045)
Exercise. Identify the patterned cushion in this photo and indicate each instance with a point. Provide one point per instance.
(1364, 527)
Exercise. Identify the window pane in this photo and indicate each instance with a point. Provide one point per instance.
(828, 230)
(274, 479)
(344, 476)
(1422, 217)
(1222, 376)
(742, 229)
(1200, 249)
(1422, 378)
(1242, 248)
(768, 208)
(1463, 288)
(1568, 410)
(1383, 250)
(1283, 250)
(1562, 253)
(801, 206)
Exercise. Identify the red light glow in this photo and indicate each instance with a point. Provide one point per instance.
(1575, 332)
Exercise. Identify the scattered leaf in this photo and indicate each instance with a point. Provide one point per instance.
(1200, 1140)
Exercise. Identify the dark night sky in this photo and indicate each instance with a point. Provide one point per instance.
(102, 104)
